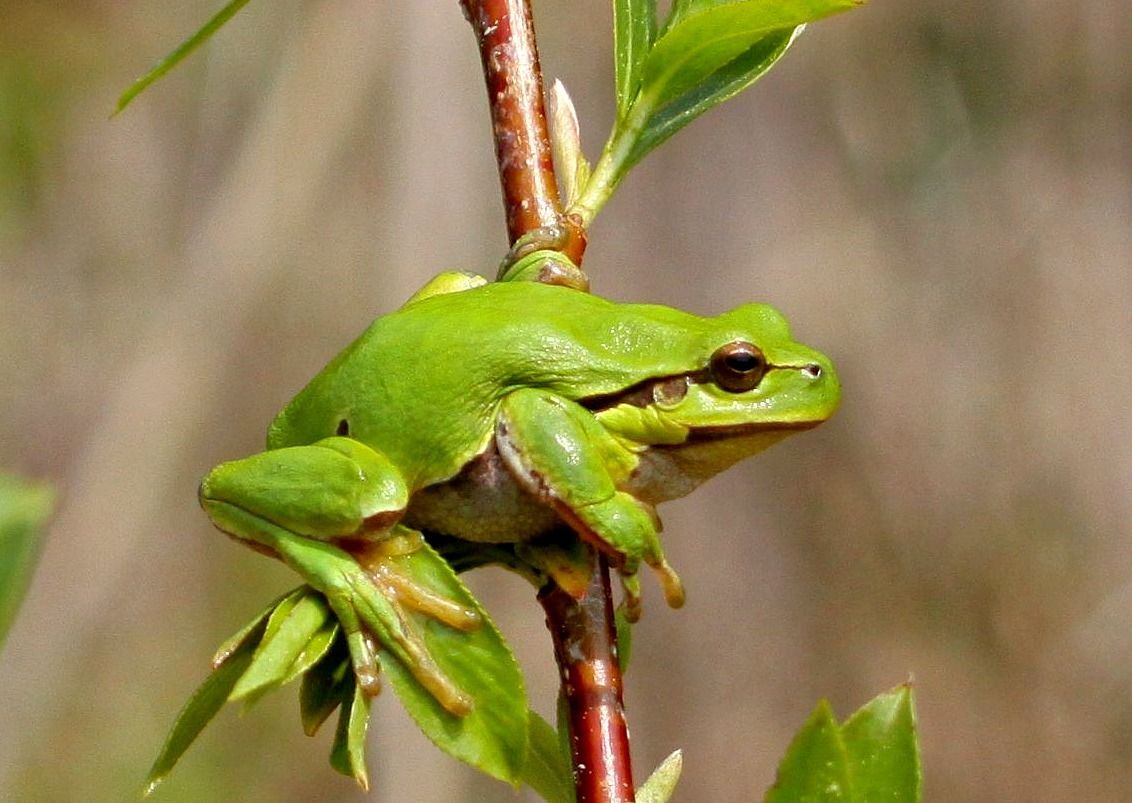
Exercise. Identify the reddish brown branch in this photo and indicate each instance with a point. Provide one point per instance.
(583, 630)
(506, 36)
(584, 637)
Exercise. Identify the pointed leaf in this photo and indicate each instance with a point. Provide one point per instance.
(24, 510)
(233, 642)
(300, 628)
(323, 687)
(634, 28)
(707, 51)
(662, 783)
(205, 702)
(348, 754)
(315, 649)
(711, 35)
(183, 51)
(881, 741)
(493, 737)
(546, 770)
(816, 765)
(725, 83)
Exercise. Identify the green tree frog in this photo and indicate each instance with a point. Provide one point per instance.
(495, 413)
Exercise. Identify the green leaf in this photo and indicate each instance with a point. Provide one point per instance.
(493, 737)
(323, 686)
(348, 754)
(299, 632)
(624, 630)
(873, 756)
(546, 770)
(816, 766)
(681, 9)
(707, 51)
(205, 702)
(315, 649)
(634, 28)
(725, 83)
(562, 720)
(880, 739)
(24, 510)
(233, 642)
(710, 36)
(181, 53)
(662, 783)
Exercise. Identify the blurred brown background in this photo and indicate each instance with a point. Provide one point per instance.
(937, 194)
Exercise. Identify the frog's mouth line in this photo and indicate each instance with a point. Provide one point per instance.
(707, 434)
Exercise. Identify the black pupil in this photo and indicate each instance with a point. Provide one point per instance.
(743, 361)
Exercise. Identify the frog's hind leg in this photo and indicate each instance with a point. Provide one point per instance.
(329, 510)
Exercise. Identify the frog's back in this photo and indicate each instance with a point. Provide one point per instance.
(423, 384)
(525, 334)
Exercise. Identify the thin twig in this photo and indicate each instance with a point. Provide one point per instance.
(506, 37)
(582, 629)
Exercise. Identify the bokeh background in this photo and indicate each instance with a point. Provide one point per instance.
(938, 194)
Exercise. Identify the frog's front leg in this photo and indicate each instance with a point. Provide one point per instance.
(560, 453)
(329, 511)
(538, 256)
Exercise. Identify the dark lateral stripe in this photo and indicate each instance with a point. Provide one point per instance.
(640, 394)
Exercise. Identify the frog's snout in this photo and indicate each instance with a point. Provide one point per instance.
(813, 370)
(213, 486)
(203, 490)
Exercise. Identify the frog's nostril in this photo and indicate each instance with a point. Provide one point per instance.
(813, 370)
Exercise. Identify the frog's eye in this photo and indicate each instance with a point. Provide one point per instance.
(738, 367)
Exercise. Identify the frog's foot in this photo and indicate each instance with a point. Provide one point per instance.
(373, 614)
(379, 559)
(636, 527)
(538, 256)
(369, 616)
(670, 584)
(384, 564)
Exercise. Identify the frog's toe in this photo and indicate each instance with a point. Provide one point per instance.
(397, 596)
(367, 670)
(407, 643)
(363, 650)
(379, 559)
(416, 597)
(670, 583)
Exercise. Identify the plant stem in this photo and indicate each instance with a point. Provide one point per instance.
(584, 637)
(505, 32)
(582, 629)
(613, 163)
